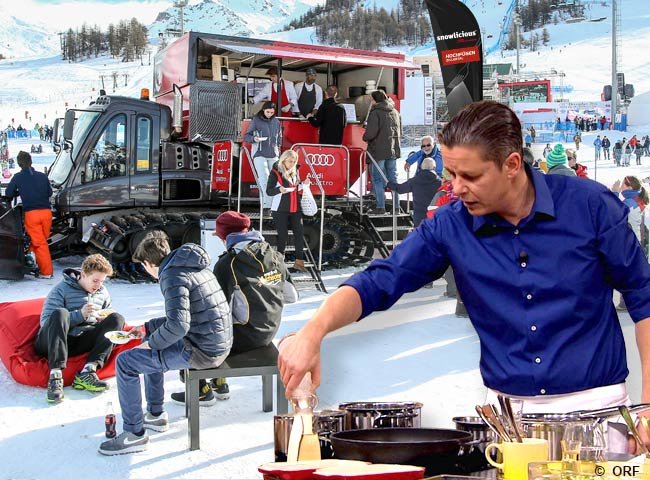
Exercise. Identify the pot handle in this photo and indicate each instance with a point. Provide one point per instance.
(396, 415)
(488, 454)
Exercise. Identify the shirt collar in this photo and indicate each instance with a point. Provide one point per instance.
(543, 206)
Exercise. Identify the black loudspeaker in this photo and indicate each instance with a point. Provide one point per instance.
(607, 93)
(629, 90)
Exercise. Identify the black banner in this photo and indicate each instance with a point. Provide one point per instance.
(460, 51)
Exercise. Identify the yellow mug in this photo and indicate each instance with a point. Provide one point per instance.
(517, 456)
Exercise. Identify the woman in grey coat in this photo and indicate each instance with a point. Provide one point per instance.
(265, 135)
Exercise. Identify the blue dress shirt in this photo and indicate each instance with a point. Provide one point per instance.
(538, 293)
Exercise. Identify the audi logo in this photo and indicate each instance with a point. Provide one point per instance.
(321, 159)
(222, 156)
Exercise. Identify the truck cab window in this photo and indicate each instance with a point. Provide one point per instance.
(108, 156)
(143, 146)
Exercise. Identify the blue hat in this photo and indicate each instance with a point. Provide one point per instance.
(557, 156)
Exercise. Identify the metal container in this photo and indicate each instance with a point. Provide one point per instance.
(324, 423)
(482, 436)
(550, 426)
(364, 415)
(481, 433)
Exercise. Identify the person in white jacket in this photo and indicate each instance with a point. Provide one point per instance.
(270, 92)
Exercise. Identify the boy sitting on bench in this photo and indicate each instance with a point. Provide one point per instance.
(196, 332)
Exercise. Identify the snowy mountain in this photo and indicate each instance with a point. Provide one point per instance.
(233, 17)
(20, 39)
(581, 51)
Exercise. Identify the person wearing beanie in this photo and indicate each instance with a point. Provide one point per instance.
(35, 191)
(556, 162)
(251, 264)
(231, 222)
(309, 95)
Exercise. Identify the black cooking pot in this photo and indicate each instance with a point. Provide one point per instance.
(435, 449)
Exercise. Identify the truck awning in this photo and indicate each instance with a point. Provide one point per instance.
(312, 53)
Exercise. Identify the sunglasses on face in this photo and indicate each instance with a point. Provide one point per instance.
(426, 145)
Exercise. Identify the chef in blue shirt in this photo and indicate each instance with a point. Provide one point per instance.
(536, 259)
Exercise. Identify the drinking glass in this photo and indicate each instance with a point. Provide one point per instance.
(583, 444)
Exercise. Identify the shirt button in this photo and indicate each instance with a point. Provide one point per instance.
(529, 297)
(543, 391)
(538, 360)
(534, 329)
(516, 231)
(523, 264)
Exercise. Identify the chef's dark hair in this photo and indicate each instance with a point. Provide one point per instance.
(488, 125)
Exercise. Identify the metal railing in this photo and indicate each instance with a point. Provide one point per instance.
(394, 214)
(245, 150)
(322, 204)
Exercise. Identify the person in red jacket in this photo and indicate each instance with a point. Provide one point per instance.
(572, 160)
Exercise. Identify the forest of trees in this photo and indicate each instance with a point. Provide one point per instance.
(536, 14)
(347, 23)
(126, 40)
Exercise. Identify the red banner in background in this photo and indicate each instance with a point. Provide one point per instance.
(221, 163)
(330, 163)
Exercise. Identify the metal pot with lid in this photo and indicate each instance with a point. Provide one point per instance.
(364, 415)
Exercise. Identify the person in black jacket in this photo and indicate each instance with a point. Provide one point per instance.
(284, 185)
(423, 185)
(331, 119)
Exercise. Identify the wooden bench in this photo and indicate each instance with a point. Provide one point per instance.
(261, 361)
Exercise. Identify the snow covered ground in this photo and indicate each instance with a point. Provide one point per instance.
(417, 351)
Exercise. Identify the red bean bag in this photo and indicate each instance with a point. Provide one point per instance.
(19, 324)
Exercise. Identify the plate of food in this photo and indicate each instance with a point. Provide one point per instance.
(262, 139)
(289, 189)
(103, 313)
(120, 336)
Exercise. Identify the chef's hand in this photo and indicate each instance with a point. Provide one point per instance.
(407, 165)
(299, 354)
(286, 108)
(306, 182)
(283, 190)
(643, 427)
(87, 310)
(251, 101)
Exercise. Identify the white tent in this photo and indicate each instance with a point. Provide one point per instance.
(638, 113)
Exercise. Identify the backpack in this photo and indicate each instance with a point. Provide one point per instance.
(259, 274)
